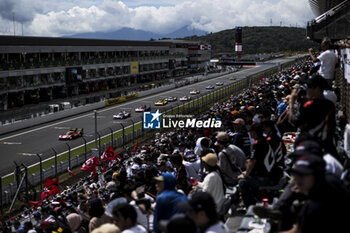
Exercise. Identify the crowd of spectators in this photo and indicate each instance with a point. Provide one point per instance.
(177, 181)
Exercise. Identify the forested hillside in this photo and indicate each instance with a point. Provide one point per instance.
(259, 40)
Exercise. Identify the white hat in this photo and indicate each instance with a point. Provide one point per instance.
(114, 203)
(330, 95)
(135, 167)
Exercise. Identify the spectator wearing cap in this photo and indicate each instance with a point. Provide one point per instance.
(203, 147)
(74, 223)
(306, 144)
(120, 177)
(324, 210)
(260, 167)
(328, 61)
(241, 137)
(200, 208)
(125, 217)
(135, 168)
(98, 215)
(37, 219)
(107, 228)
(316, 116)
(192, 164)
(167, 199)
(231, 159)
(213, 182)
(163, 163)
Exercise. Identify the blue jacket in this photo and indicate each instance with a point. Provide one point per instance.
(167, 201)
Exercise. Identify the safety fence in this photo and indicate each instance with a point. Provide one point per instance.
(25, 178)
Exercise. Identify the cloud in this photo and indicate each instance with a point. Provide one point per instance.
(58, 18)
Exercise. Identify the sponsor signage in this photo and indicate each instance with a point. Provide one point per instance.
(134, 67)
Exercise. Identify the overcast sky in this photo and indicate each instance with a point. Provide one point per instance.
(66, 17)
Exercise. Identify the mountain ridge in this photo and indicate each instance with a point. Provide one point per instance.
(262, 39)
(136, 34)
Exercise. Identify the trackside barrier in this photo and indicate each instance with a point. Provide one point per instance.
(123, 136)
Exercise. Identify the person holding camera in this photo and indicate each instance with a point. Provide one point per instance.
(328, 61)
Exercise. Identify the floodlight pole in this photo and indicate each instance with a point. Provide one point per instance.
(95, 114)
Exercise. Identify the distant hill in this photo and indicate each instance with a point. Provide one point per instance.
(259, 40)
(185, 32)
(133, 34)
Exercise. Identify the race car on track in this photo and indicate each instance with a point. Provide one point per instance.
(171, 98)
(122, 115)
(185, 98)
(161, 102)
(219, 83)
(194, 92)
(209, 87)
(143, 108)
(72, 134)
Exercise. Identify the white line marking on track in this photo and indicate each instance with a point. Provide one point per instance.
(27, 154)
(11, 143)
(98, 117)
(61, 127)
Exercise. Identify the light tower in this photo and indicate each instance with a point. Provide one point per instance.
(238, 40)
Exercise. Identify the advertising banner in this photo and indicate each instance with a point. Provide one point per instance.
(134, 67)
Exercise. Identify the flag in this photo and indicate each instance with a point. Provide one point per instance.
(35, 204)
(90, 164)
(108, 155)
(136, 145)
(71, 173)
(48, 222)
(50, 188)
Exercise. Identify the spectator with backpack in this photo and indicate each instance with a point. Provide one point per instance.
(231, 159)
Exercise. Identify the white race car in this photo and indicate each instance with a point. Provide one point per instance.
(194, 92)
(171, 98)
(185, 98)
(219, 83)
(121, 115)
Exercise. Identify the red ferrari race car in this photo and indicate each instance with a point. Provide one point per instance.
(73, 133)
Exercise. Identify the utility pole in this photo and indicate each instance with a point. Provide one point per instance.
(95, 151)
(95, 116)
